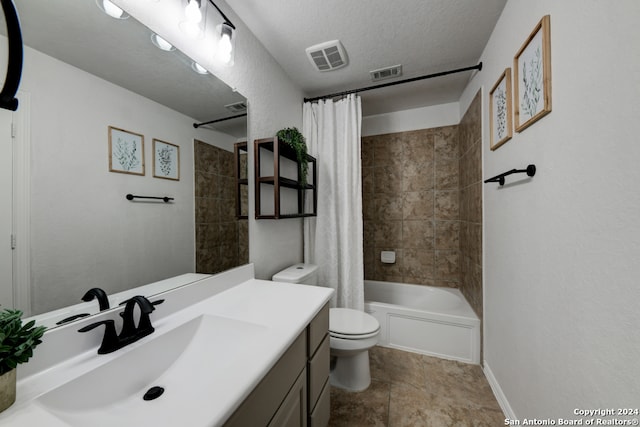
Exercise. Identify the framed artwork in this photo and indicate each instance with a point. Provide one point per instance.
(500, 110)
(126, 151)
(532, 73)
(166, 160)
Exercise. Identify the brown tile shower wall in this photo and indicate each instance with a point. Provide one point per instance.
(221, 239)
(470, 138)
(411, 206)
(422, 198)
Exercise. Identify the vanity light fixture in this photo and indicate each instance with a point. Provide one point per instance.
(225, 49)
(161, 43)
(193, 25)
(111, 9)
(198, 68)
(224, 53)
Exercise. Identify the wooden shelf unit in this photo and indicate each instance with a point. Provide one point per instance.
(282, 150)
(242, 179)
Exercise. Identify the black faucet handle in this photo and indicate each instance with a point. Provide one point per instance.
(146, 306)
(156, 302)
(110, 341)
(144, 328)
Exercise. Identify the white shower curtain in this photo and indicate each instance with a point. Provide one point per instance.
(333, 239)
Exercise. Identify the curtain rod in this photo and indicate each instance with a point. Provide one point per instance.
(413, 79)
(197, 125)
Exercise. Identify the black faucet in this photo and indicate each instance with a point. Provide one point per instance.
(98, 294)
(144, 328)
(130, 332)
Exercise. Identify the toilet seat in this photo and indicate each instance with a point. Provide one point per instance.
(347, 323)
(353, 337)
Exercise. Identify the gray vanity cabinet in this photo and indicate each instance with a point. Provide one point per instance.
(318, 369)
(295, 392)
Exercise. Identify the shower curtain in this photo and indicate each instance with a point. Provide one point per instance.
(333, 240)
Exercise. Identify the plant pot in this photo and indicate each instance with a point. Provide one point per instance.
(7, 389)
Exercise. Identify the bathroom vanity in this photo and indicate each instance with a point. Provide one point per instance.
(295, 392)
(228, 350)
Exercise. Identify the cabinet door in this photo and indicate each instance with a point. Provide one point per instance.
(293, 411)
(318, 372)
(266, 399)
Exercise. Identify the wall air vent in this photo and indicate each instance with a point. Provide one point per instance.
(237, 107)
(328, 56)
(386, 73)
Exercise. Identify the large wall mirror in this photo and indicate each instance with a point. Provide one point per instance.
(85, 72)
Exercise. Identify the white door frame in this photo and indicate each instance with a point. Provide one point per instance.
(7, 292)
(22, 203)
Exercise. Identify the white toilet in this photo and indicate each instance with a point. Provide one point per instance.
(351, 334)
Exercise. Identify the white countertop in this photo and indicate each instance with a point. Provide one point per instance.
(283, 309)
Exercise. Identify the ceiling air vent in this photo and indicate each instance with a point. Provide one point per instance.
(328, 56)
(237, 107)
(386, 73)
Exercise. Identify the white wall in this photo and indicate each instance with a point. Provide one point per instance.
(413, 119)
(274, 103)
(561, 251)
(84, 232)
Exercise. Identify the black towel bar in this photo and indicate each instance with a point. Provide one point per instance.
(530, 171)
(165, 198)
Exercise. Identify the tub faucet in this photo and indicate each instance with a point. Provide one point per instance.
(98, 294)
(130, 333)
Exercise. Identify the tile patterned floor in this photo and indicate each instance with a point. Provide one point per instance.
(413, 390)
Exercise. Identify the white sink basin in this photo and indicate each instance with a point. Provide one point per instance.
(188, 361)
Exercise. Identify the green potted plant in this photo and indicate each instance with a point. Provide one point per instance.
(17, 342)
(294, 139)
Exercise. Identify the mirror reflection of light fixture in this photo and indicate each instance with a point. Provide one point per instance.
(161, 43)
(198, 68)
(195, 14)
(111, 9)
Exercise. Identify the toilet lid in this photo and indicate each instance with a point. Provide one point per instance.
(347, 321)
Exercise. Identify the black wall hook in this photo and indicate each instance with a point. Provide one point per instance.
(530, 171)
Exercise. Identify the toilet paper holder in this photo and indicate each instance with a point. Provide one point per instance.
(388, 257)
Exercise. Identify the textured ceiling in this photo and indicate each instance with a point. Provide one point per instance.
(425, 36)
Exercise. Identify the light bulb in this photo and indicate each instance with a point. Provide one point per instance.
(192, 12)
(224, 51)
(199, 68)
(161, 43)
(191, 25)
(225, 48)
(112, 10)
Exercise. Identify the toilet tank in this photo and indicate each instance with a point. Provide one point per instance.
(298, 273)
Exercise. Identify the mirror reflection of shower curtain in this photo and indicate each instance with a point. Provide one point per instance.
(333, 239)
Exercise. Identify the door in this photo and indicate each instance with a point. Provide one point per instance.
(6, 210)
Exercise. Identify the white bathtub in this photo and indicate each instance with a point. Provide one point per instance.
(424, 319)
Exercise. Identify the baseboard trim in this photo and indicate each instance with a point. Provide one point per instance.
(498, 393)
